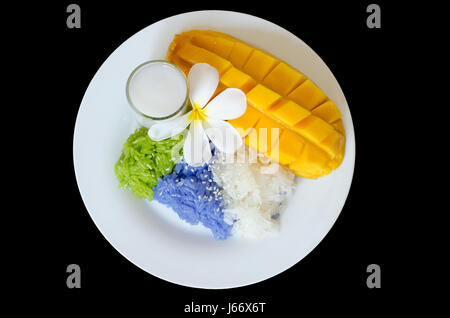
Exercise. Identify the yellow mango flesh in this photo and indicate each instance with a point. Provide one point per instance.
(288, 117)
(259, 65)
(247, 121)
(261, 97)
(339, 126)
(288, 149)
(194, 54)
(327, 111)
(311, 162)
(220, 88)
(283, 79)
(240, 54)
(265, 135)
(333, 144)
(220, 46)
(308, 95)
(289, 112)
(238, 79)
(314, 128)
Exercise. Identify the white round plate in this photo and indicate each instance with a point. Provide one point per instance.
(152, 236)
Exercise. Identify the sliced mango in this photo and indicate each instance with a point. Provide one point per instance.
(220, 88)
(308, 95)
(339, 126)
(261, 97)
(205, 41)
(217, 45)
(283, 79)
(333, 144)
(289, 112)
(314, 128)
(235, 78)
(247, 121)
(334, 164)
(288, 117)
(182, 64)
(288, 148)
(265, 135)
(311, 163)
(327, 111)
(194, 54)
(240, 54)
(259, 65)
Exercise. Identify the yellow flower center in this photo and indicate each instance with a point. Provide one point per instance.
(197, 113)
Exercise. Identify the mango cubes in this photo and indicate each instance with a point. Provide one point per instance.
(288, 117)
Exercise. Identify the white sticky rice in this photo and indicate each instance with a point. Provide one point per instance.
(255, 191)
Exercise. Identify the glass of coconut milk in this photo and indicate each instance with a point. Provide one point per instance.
(157, 91)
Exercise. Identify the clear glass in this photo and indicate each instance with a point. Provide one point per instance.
(148, 121)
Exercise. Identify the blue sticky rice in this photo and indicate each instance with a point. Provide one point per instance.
(192, 193)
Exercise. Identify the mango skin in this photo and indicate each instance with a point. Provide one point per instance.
(310, 135)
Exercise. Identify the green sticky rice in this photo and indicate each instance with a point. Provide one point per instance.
(144, 160)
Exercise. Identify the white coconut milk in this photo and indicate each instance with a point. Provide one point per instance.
(157, 89)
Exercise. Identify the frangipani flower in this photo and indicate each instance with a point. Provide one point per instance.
(207, 120)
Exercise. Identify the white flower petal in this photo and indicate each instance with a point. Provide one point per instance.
(196, 149)
(169, 128)
(223, 135)
(202, 81)
(229, 104)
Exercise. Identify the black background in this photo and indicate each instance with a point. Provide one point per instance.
(367, 64)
